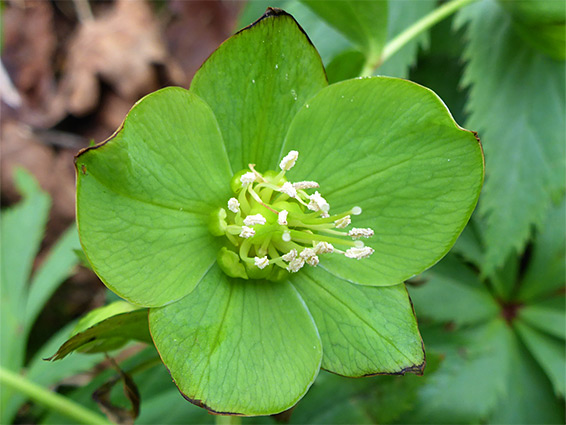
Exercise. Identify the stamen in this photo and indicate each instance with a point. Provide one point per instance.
(247, 178)
(306, 185)
(286, 236)
(262, 262)
(343, 222)
(324, 214)
(318, 203)
(290, 256)
(282, 217)
(308, 253)
(289, 161)
(288, 189)
(251, 220)
(358, 232)
(324, 248)
(312, 261)
(359, 253)
(296, 265)
(247, 232)
(233, 205)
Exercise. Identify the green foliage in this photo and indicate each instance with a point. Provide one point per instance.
(364, 23)
(517, 104)
(24, 293)
(488, 358)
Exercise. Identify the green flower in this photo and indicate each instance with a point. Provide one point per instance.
(254, 278)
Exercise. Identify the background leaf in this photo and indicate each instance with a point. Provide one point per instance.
(363, 22)
(402, 14)
(517, 103)
(125, 326)
(549, 352)
(471, 380)
(453, 293)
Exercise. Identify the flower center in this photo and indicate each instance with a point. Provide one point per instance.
(274, 227)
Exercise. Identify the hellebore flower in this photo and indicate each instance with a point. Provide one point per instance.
(268, 220)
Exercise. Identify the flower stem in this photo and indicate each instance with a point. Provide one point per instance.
(413, 31)
(228, 420)
(50, 399)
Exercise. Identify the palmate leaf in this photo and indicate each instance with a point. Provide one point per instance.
(517, 104)
(471, 380)
(529, 399)
(549, 352)
(453, 293)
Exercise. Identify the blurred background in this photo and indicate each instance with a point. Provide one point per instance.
(492, 314)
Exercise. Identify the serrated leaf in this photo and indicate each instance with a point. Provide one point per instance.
(453, 293)
(414, 172)
(549, 352)
(247, 347)
(546, 270)
(268, 78)
(152, 186)
(364, 23)
(527, 387)
(402, 14)
(124, 326)
(547, 316)
(364, 330)
(472, 379)
(519, 128)
(335, 400)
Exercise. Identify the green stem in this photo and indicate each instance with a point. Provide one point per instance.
(50, 399)
(228, 420)
(413, 31)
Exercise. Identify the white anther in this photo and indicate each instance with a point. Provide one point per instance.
(307, 253)
(286, 236)
(251, 220)
(247, 178)
(323, 248)
(296, 265)
(282, 217)
(247, 232)
(324, 214)
(312, 261)
(262, 262)
(343, 222)
(318, 203)
(357, 210)
(289, 161)
(358, 232)
(290, 256)
(306, 185)
(288, 189)
(233, 205)
(359, 253)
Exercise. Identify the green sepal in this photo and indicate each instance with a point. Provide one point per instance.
(230, 263)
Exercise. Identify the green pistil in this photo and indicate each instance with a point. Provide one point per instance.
(251, 223)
